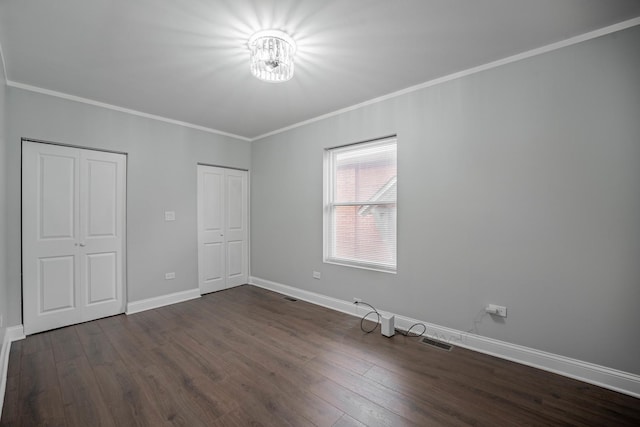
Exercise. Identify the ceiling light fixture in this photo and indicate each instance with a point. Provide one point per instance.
(272, 55)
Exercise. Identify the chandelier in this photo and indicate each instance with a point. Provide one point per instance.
(272, 55)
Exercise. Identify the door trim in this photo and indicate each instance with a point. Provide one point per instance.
(223, 167)
(62, 144)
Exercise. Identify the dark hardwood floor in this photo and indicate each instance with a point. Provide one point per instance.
(247, 356)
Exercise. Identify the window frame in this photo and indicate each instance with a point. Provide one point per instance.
(329, 189)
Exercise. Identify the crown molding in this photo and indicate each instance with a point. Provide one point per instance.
(120, 109)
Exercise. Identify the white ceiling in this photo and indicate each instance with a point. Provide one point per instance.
(187, 60)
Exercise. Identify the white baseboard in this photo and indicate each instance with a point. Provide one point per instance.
(4, 366)
(161, 301)
(13, 333)
(318, 299)
(602, 376)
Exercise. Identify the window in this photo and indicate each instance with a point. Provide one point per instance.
(360, 205)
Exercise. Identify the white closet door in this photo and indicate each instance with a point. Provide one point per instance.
(222, 228)
(73, 210)
(102, 216)
(236, 222)
(211, 265)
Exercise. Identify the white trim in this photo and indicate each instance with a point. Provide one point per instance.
(4, 366)
(312, 297)
(120, 109)
(602, 376)
(13, 333)
(161, 301)
(514, 58)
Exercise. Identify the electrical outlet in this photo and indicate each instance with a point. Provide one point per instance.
(169, 276)
(317, 275)
(497, 310)
(169, 216)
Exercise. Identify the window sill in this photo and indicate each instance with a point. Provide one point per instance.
(361, 266)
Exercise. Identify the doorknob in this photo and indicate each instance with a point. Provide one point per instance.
(83, 245)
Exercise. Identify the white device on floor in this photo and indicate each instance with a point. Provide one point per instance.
(387, 324)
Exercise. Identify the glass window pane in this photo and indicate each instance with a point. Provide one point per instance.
(361, 174)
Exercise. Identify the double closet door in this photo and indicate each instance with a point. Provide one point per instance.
(73, 223)
(222, 228)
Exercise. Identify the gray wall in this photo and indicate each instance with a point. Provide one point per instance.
(3, 205)
(161, 176)
(517, 186)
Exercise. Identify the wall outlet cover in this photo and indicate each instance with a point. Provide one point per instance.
(496, 310)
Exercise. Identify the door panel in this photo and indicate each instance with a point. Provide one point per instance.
(102, 282)
(56, 193)
(222, 228)
(213, 262)
(235, 196)
(102, 206)
(73, 210)
(234, 257)
(212, 198)
(56, 280)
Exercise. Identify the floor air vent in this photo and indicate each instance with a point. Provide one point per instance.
(438, 344)
(290, 299)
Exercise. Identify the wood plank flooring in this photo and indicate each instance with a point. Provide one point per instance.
(246, 356)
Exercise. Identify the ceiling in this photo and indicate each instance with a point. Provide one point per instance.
(187, 60)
